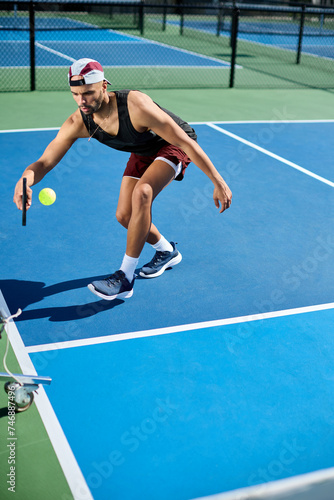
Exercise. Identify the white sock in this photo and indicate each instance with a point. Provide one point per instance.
(129, 266)
(163, 245)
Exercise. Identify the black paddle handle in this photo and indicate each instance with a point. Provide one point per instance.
(24, 202)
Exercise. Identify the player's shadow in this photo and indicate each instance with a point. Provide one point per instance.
(21, 294)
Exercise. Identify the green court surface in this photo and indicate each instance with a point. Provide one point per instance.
(50, 109)
(29, 450)
(38, 473)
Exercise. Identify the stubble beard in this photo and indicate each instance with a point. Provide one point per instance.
(94, 108)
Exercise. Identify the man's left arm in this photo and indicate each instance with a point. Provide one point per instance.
(149, 115)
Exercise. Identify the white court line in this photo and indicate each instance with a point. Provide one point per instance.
(60, 54)
(242, 122)
(316, 485)
(226, 122)
(273, 155)
(176, 329)
(278, 46)
(233, 136)
(68, 463)
(185, 51)
(11, 131)
(136, 39)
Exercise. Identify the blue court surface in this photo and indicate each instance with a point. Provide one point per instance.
(317, 40)
(322, 46)
(56, 47)
(218, 374)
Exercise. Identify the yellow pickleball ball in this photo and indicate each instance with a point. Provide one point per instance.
(47, 196)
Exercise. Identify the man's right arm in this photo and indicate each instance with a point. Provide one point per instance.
(70, 131)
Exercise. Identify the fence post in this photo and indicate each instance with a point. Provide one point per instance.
(32, 46)
(301, 33)
(181, 19)
(141, 17)
(164, 17)
(234, 38)
(220, 19)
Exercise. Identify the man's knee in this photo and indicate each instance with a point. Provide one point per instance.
(142, 195)
(123, 218)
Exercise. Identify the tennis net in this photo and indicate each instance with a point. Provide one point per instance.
(317, 485)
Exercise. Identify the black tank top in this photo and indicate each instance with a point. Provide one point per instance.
(128, 139)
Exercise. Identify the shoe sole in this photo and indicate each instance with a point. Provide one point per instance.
(176, 260)
(123, 295)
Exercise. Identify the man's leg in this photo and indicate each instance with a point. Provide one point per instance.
(124, 208)
(140, 228)
(136, 216)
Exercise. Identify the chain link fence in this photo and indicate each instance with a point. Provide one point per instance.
(147, 46)
(285, 47)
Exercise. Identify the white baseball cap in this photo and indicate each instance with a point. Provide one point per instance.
(90, 70)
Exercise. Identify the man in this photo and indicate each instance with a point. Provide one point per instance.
(161, 147)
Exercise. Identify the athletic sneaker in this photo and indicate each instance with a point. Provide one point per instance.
(160, 262)
(115, 286)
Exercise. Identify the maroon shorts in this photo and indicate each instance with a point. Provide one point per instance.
(174, 156)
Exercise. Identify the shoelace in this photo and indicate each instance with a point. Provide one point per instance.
(159, 256)
(115, 278)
